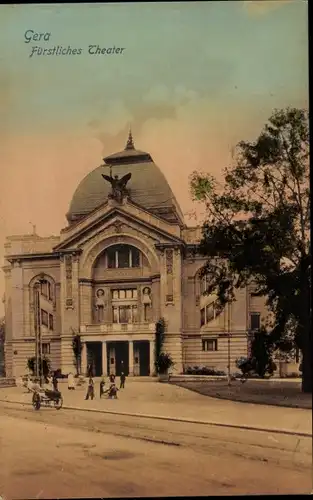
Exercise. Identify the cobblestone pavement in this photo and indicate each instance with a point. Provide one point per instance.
(168, 400)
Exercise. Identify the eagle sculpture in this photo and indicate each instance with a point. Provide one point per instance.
(118, 185)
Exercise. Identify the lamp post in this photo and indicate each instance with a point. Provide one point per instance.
(228, 342)
(39, 372)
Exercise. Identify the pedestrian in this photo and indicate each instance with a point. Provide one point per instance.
(71, 382)
(122, 380)
(113, 392)
(30, 384)
(55, 382)
(90, 390)
(112, 378)
(102, 384)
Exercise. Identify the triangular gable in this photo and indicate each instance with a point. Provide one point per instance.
(160, 231)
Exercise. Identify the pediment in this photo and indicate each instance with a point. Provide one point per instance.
(118, 220)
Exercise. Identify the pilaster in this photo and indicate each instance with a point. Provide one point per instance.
(104, 359)
(17, 300)
(131, 357)
(84, 359)
(152, 356)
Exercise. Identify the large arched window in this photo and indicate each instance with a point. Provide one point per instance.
(122, 256)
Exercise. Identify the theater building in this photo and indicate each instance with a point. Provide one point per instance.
(125, 260)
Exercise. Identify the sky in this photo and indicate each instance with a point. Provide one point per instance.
(192, 81)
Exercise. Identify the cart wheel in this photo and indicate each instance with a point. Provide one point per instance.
(58, 403)
(36, 402)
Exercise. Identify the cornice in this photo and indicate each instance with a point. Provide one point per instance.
(110, 281)
(41, 256)
(115, 212)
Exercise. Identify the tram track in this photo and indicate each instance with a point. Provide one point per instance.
(289, 452)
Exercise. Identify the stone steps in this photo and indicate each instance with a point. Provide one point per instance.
(7, 382)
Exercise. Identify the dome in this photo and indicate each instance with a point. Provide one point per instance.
(147, 187)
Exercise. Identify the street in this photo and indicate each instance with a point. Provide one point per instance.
(68, 453)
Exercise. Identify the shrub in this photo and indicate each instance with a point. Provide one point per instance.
(77, 347)
(44, 366)
(203, 370)
(163, 363)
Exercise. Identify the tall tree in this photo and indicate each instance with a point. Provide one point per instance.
(2, 340)
(257, 227)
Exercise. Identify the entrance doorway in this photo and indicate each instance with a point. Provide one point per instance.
(142, 350)
(94, 358)
(118, 357)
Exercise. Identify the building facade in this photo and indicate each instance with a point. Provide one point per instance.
(125, 260)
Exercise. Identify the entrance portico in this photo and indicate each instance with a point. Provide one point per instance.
(133, 357)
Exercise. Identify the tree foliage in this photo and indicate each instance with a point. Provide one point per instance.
(163, 360)
(43, 366)
(77, 348)
(2, 340)
(257, 228)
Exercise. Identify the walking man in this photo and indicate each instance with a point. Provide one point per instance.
(102, 384)
(55, 381)
(122, 380)
(90, 391)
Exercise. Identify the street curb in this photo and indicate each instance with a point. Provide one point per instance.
(176, 419)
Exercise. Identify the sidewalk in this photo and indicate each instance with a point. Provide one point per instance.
(176, 402)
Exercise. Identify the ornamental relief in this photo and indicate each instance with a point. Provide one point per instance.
(69, 280)
(112, 229)
(169, 261)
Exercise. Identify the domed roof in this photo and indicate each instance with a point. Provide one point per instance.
(147, 187)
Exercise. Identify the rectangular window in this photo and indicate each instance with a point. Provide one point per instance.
(210, 312)
(44, 289)
(115, 314)
(123, 316)
(45, 349)
(135, 254)
(51, 325)
(209, 344)
(134, 314)
(202, 317)
(123, 257)
(203, 285)
(255, 321)
(44, 318)
(123, 294)
(111, 258)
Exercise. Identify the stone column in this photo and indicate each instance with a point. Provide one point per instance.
(152, 366)
(84, 360)
(131, 358)
(104, 359)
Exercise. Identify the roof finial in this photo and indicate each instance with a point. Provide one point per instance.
(130, 142)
